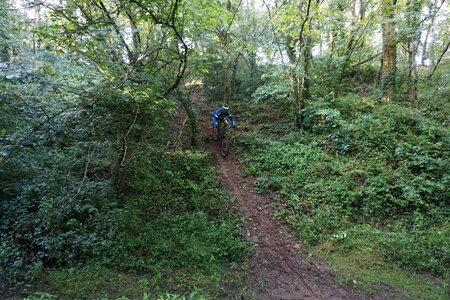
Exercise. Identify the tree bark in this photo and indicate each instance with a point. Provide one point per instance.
(411, 94)
(305, 93)
(433, 9)
(187, 105)
(389, 57)
(293, 74)
(425, 45)
(362, 9)
(227, 80)
(413, 10)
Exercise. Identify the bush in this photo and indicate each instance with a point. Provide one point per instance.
(421, 250)
(358, 163)
(188, 240)
(175, 216)
(321, 119)
(178, 183)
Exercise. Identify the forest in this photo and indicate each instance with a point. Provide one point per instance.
(337, 181)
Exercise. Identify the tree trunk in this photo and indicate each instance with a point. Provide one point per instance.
(228, 80)
(187, 105)
(411, 94)
(424, 46)
(433, 9)
(301, 84)
(332, 49)
(413, 9)
(306, 82)
(362, 9)
(294, 78)
(389, 57)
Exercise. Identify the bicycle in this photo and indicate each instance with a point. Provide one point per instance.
(220, 133)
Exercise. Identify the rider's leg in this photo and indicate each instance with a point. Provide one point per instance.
(221, 125)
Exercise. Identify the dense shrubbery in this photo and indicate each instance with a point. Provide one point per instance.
(358, 163)
(66, 201)
(178, 216)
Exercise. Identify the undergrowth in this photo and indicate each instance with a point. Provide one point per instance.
(173, 231)
(364, 184)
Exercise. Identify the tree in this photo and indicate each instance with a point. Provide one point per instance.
(389, 57)
(8, 31)
(412, 39)
(138, 45)
(225, 38)
(294, 22)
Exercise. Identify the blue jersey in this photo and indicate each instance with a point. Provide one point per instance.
(220, 116)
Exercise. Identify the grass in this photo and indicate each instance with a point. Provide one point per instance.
(91, 282)
(102, 283)
(364, 269)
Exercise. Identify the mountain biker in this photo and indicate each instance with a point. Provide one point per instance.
(220, 117)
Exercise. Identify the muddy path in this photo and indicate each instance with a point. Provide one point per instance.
(278, 267)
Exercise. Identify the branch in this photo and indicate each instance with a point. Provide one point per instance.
(274, 31)
(183, 57)
(433, 13)
(304, 21)
(300, 36)
(122, 164)
(439, 60)
(116, 28)
(366, 60)
(234, 16)
(179, 142)
(80, 186)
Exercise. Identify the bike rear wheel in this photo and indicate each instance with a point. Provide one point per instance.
(224, 147)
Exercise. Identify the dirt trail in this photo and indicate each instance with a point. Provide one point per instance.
(278, 268)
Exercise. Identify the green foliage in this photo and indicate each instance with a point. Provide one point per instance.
(45, 220)
(364, 261)
(178, 216)
(189, 240)
(421, 250)
(176, 183)
(321, 120)
(76, 188)
(79, 201)
(361, 163)
(40, 296)
(91, 282)
(192, 296)
(274, 88)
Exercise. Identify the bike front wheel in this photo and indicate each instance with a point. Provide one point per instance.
(224, 147)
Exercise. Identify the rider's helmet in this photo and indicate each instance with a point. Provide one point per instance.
(225, 107)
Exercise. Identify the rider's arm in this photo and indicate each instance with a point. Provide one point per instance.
(233, 123)
(215, 118)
